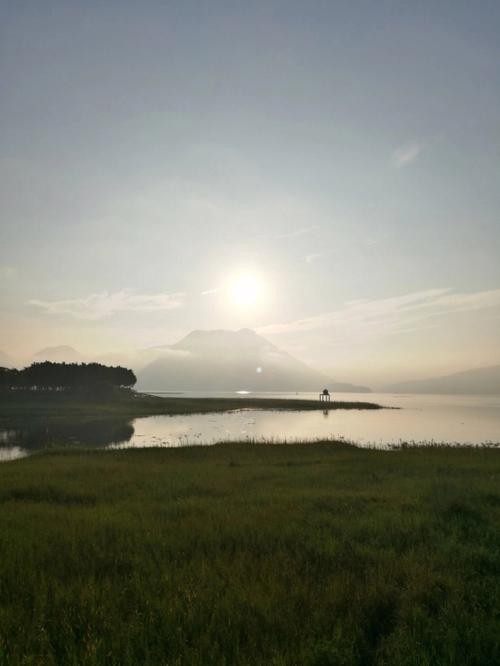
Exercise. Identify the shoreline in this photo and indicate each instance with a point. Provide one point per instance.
(23, 453)
(134, 405)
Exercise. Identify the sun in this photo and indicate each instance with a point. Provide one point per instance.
(246, 290)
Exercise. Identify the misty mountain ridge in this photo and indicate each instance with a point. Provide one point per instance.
(66, 354)
(58, 354)
(221, 359)
(479, 381)
(217, 340)
(226, 360)
(209, 360)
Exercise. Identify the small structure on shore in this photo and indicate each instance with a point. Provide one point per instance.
(324, 396)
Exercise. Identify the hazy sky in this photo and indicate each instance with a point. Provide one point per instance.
(344, 155)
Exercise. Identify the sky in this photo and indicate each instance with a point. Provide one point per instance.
(325, 173)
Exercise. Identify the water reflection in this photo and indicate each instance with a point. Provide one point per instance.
(20, 437)
(420, 419)
(450, 419)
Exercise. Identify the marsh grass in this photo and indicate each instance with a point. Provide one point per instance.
(311, 554)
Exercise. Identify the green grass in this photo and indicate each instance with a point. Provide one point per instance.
(315, 554)
(131, 404)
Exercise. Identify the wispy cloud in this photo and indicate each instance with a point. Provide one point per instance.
(293, 233)
(310, 258)
(367, 319)
(209, 292)
(102, 305)
(297, 233)
(406, 154)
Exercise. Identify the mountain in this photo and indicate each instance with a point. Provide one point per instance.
(481, 381)
(60, 354)
(229, 361)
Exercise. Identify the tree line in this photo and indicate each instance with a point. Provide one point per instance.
(65, 377)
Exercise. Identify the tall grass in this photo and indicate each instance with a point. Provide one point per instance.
(311, 554)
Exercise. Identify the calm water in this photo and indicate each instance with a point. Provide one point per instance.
(450, 419)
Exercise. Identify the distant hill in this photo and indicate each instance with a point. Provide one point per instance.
(481, 381)
(136, 359)
(60, 354)
(222, 360)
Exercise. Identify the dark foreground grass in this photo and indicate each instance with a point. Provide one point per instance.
(315, 554)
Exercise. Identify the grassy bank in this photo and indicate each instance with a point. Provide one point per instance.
(251, 554)
(130, 404)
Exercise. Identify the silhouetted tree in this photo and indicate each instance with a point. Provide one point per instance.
(67, 377)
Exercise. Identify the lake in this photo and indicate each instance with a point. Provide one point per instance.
(419, 419)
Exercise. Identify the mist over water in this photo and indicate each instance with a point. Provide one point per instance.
(419, 419)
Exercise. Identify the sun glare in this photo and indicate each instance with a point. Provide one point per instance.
(246, 290)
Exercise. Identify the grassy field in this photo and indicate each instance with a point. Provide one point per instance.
(317, 554)
(130, 404)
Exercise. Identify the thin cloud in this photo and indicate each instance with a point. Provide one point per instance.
(164, 352)
(294, 233)
(102, 305)
(208, 292)
(367, 319)
(406, 154)
(310, 258)
(297, 233)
